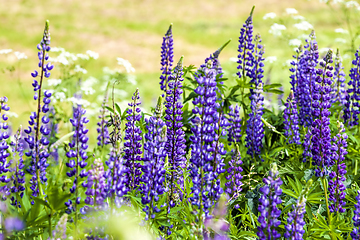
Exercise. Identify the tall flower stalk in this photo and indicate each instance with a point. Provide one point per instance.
(269, 213)
(132, 146)
(4, 154)
(338, 87)
(175, 142)
(291, 120)
(167, 59)
(102, 129)
(233, 184)
(234, 131)
(38, 132)
(355, 234)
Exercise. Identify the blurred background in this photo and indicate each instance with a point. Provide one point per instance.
(119, 33)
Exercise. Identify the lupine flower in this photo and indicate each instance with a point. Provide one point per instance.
(132, 145)
(77, 154)
(233, 183)
(38, 132)
(206, 150)
(60, 229)
(175, 142)
(291, 120)
(217, 222)
(234, 135)
(18, 175)
(355, 234)
(336, 184)
(352, 105)
(296, 73)
(255, 127)
(13, 224)
(4, 162)
(338, 90)
(306, 81)
(268, 202)
(246, 48)
(167, 59)
(320, 130)
(295, 227)
(95, 186)
(257, 64)
(154, 159)
(102, 130)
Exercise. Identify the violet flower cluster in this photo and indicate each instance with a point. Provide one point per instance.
(102, 129)
(132, 146)
(175, 143)
(4, 154)
(336, 184)
(167, 59)
(234, 131)
(18, 175)
(257, 63)
(295, 71)
(291, 120)
(355, 234)
(295, 227)
(233, 184)
(352, 105)
(269, 213)
(320, 129)
(38, 132)
(153, 176)
(255, 126)
(246, 48)
(338, 93)
(77, 154)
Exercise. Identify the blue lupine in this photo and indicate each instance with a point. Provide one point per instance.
(306, 82)
(255, 126)
(337, 177)
(18, 176)
(295, 221)
(234, 135)
(338, 90)
(269, 213)
(132, 146)
(355, 234)
(38, 132)
(77, 155)
(167, 59)
(320, 130)
(154, 159)
(291, 120)
(102, 129)
(5, 163)
(257, 64)
(233, 184)
(246, 48)
(175, 143)
(95, 187)
(296, 72)
(352, 105)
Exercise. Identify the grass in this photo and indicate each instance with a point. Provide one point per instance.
(133, 30)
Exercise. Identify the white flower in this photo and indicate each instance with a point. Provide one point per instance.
(87, 86)
(20, 55)
(126, 64)
(352, 4)
(340, 40)
(108, 71)
(79, 101)
(341, 30)
(5, 51)
(346, 56)
(276, 29)
(288, 62)
(298, 17)
(270, 59)
(77, 68)
(92, 54)
(303, 36)
(291, 11)
(12, 114)
(57, 49)
(337, 1)
(82, 56)
(233, 59)
(53, 82)
(304, 25)
(269, 15)
(295, 42)
(60, 96)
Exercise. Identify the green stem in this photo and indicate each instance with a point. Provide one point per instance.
(323, 180)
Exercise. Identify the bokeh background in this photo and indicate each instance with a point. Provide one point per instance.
(133, 30)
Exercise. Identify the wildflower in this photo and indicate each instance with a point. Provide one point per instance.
(233, 183)
(5, 51)
(269, 213)
(341, 30)
(291, 11)
(276, 29)
(291, 120)
(234, 131)
(60, 229)
(338, 87)
(128, 67)
(92, 54)
(102, 129)
(4, 162)
(167, 55)
(20, 55)
(355, 234)
(270, 59)
(303, 25)
(295, 42)
(269, 15)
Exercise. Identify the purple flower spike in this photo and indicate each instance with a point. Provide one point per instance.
(355, 234)
(132, 157)
(102, 129)
(167, 56)
(233, 183)
(234, 135)
(338, 90)
(352, 105)
(336, 184)
(291, 120)
(268, 202)
(5, 163)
